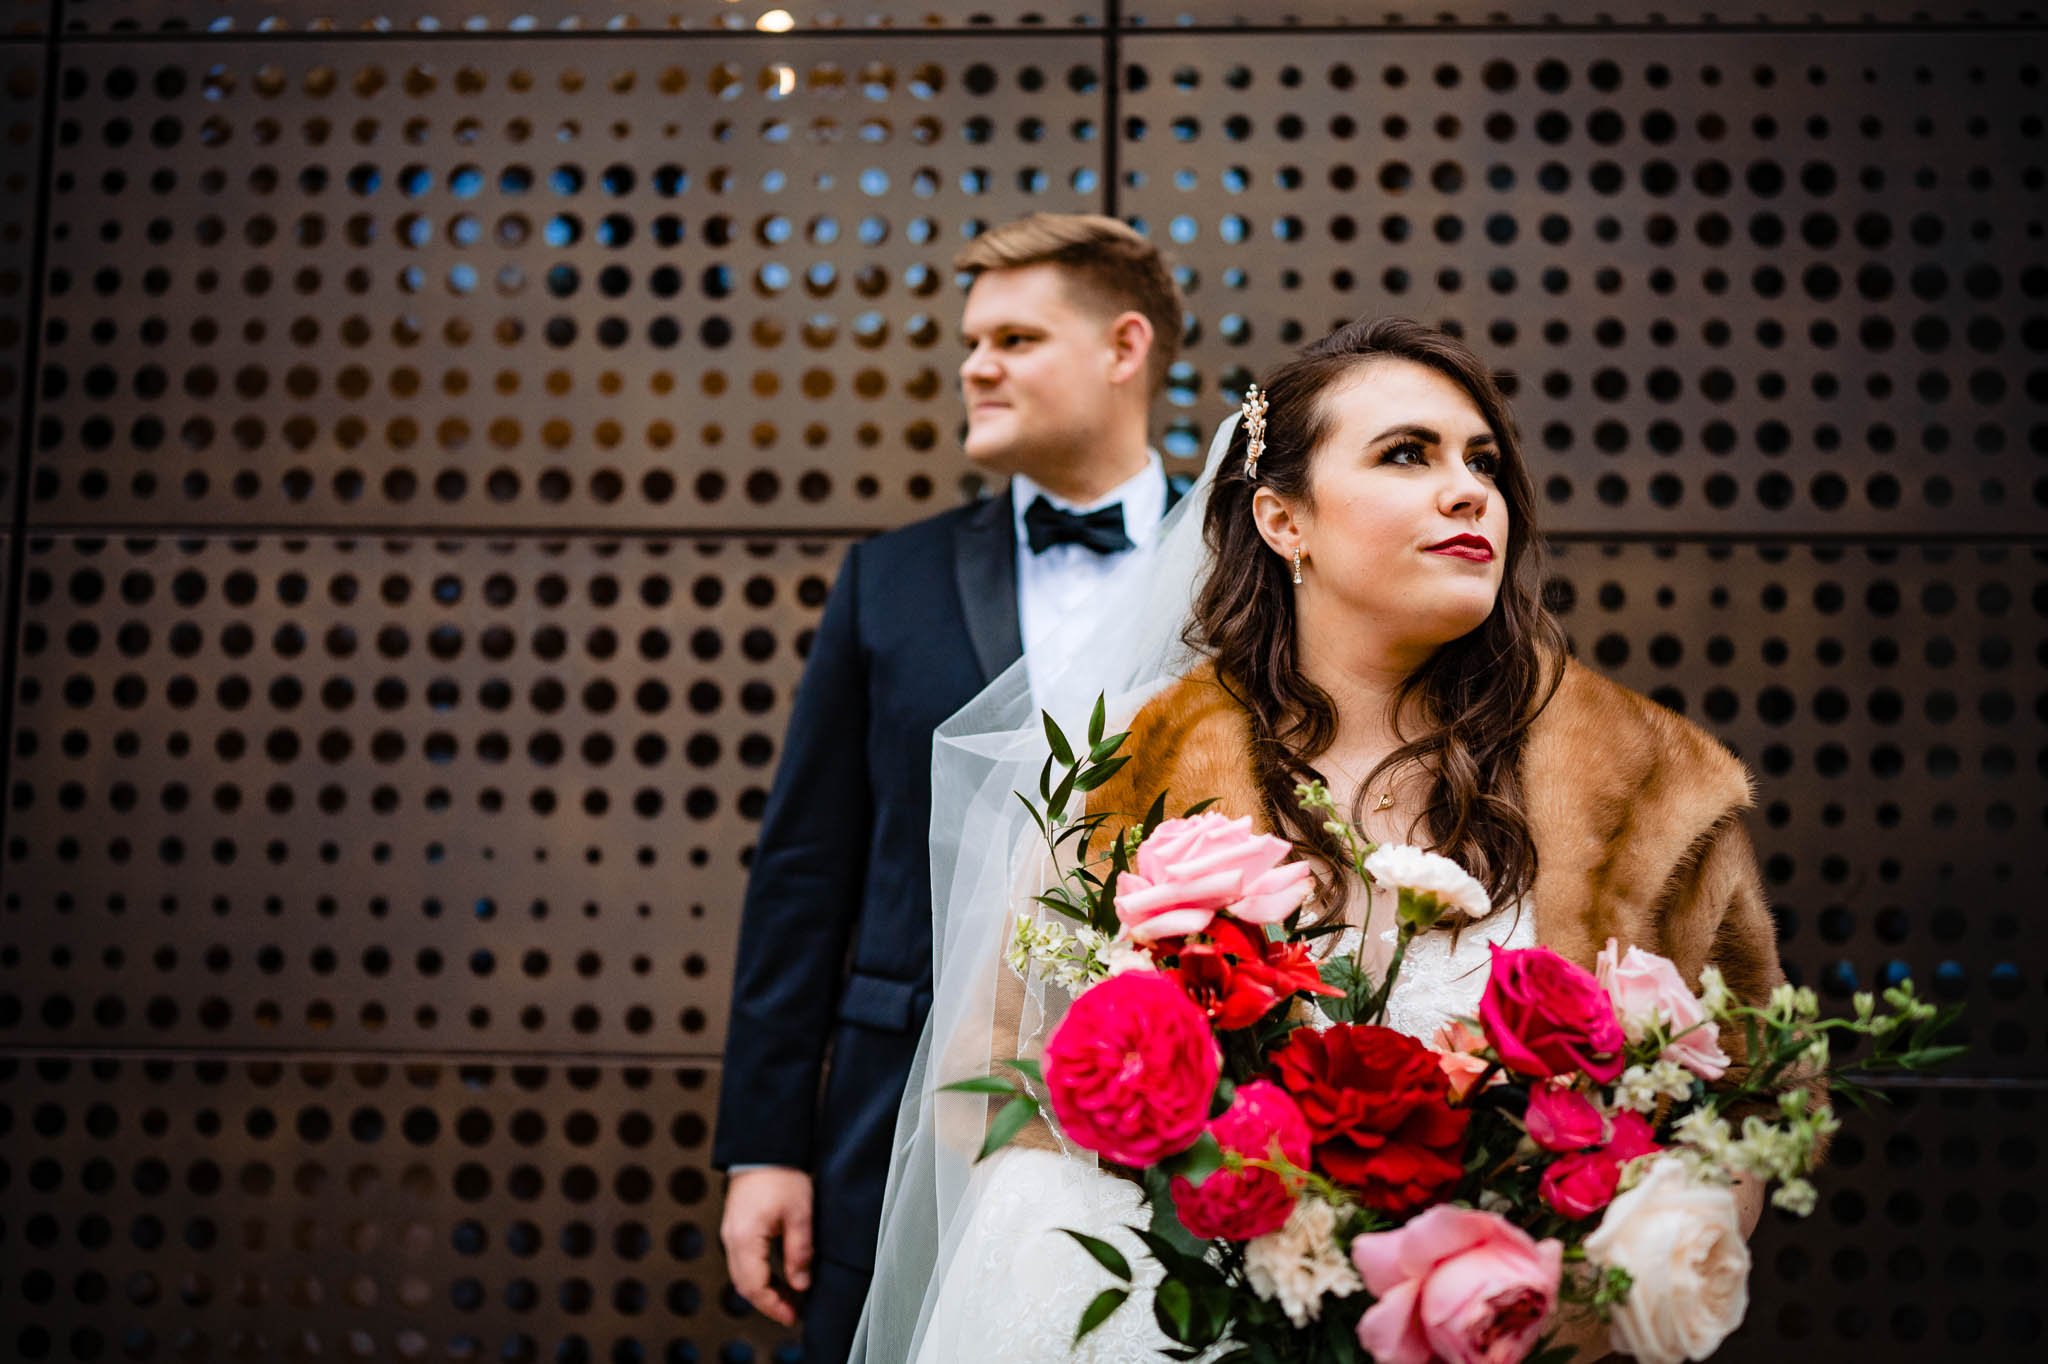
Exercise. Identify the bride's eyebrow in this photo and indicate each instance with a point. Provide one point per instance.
(1429, 437)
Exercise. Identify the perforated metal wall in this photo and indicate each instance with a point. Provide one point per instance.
(445, 422)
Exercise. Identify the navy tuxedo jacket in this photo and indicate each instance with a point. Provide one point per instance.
(835, 937)
(835, 947)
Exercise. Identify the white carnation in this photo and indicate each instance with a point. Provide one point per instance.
(1397, 866)
(1640, 1087)
(1301, 1264)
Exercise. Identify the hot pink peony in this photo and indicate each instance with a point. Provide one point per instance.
(1131, 1069)
(1563, 1119)
(1190, 869)
(1646, 990)
(1261, 1120)
(1456, 1285)
(1581, 1185)
(1546, 1016)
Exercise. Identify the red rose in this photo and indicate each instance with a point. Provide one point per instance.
(1378, 1107)
(1236, 975)
(1548, 1017)
(1581, 1185)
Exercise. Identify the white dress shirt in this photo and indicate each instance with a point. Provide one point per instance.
(1059, 590)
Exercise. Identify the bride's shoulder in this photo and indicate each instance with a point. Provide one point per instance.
(1192, 740)
(1594, 727)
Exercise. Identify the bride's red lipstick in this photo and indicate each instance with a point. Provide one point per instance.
(1477, 548)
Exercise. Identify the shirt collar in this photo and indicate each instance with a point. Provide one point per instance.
(1143, 496)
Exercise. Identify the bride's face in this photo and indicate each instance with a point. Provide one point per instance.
(1403, 530)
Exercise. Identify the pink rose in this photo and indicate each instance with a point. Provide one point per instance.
(1131, 1069)
(1251, 1202)
(1457, 1045)
(1647, 990)
(1581, 1185)
(1546, 1016)
(1562, 1119)
(1190, 869)
(1456, 1285)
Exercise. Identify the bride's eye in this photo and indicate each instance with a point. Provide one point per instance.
(1408, 452)
(1485, 463)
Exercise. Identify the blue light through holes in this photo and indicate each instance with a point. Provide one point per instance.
(823, 230)
(821, 277)
(1893, 972)
(565, 180)
(1183, 384)
(774, 277)
(1185, 179)
(414, 181)
(515, 180)
(774, 182)
(562, 230)
(920, 230)
(1181, 229)
(412, 279)
(873, 230)
(615, 229)
(466, 182)
(1839, 979)
(775, 230)
(669, 181)
(465, 230)
(874, 182)
(1181, 440)
(617, 180)
(1234, 228)
(1085, 180)
(462, 279)
(1236, 179)
(2005, 981)
(416, 230)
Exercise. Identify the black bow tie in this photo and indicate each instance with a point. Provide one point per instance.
(1101, 530)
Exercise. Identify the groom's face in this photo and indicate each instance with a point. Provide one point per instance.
(1040, 376)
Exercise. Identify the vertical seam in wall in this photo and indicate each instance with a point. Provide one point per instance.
(1112, 90)
(31, 384)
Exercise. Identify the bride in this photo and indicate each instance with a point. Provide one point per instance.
(1350, 595)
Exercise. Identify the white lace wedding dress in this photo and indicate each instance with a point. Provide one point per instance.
(1016, 1292)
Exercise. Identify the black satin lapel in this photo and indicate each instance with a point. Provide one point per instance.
(985, 571)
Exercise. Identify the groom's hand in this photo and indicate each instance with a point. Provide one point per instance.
(762, 1205)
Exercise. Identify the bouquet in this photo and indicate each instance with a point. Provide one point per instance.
(1336, 1190)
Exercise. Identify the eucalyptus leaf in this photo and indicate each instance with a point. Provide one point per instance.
(1008, 1123)
(1097, 1312)
(1106, 1255)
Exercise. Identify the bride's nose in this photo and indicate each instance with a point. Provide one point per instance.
(1463, 493)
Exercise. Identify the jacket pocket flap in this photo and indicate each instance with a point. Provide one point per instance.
(878, 1002)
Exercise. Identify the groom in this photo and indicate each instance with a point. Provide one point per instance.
(1070, 324)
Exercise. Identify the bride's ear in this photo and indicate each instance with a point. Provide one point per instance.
(1277, 523)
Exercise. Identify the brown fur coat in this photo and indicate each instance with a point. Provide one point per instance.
(1636, 815)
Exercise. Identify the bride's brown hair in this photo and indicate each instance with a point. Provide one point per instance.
(1478, 693)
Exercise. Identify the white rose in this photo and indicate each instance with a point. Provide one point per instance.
(1682, 1246)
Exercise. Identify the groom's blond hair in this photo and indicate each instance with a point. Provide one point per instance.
(1110, 266)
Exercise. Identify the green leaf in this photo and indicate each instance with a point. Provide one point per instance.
(1171, 1242)
(1172, 1306)
(1153, 815)
(1097, 1312)
(1008, 1123)
(1096, 719)
(1198, 807)
(1028, 1068)
(1198, 1162)
(980, 1084)
(1061, 749)
(1104, 747)
(1045, 779)
(1106, 1255)
(1062, 906)
(1100, 773)
(1036, 818)
(1930, 1056)
(1057, 804)
(1556, 1354)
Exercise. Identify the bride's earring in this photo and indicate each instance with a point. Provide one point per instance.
(1297, 565)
